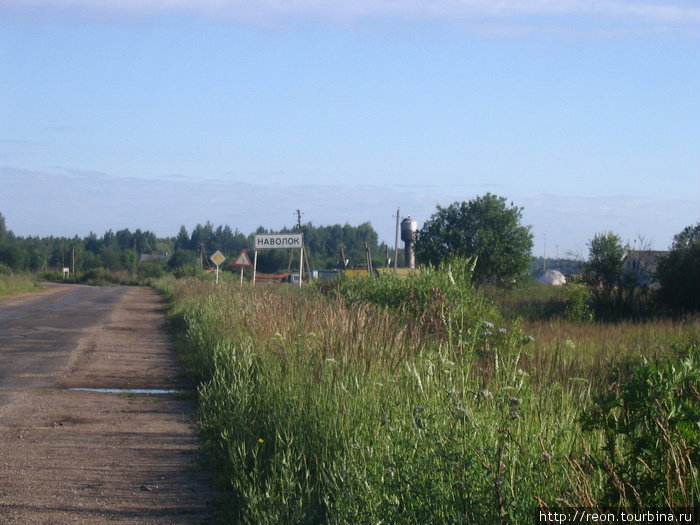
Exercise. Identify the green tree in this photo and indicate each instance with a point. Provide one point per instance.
(111, 258)
(182, 241)
(487, 228)
(124, 239)
(603, 270)
(679, 272)
(3, 229)
(145, 241)
(202, 238)
(183, 258)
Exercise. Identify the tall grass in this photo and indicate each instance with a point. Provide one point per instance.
(384, 401)
(16, 284)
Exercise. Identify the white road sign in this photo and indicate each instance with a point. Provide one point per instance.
(243, 260)
(281, 241)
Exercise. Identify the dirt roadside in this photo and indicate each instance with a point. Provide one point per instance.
(81, 457)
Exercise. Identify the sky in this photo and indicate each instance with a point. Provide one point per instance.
(154, 114)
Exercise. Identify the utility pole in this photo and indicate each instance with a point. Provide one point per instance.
(343, 264)
(396, 242)
(304, 250)
(368, 259)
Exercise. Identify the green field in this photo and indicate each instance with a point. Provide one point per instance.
(382, 400)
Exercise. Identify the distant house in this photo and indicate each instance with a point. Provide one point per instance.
(640, 266)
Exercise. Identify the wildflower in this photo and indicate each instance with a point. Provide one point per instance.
(488, 325)
(261, 441)
(485, 394)
(515, 403)
(462, 412)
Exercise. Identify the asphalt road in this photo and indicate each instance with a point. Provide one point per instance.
(39, 331)
(70, 456)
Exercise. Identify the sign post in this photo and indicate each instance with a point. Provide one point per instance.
(280, 241)
(243, 261)
(217, 258)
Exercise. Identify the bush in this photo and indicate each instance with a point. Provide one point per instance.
(50, 275)
(442, 300)
(188, 270)
(150, 270)
(577, 304)
(651, 430)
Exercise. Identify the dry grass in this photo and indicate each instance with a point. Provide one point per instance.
(567, 349)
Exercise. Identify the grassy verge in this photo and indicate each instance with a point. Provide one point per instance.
(380, 401)
(17, 284)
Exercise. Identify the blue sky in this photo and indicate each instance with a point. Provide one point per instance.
(155, 113)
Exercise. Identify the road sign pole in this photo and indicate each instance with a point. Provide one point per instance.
(301, 264)
(255, 266)
(217, 258)
(243, 261)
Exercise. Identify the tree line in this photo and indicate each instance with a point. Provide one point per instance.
(146, 252)
(487, 230)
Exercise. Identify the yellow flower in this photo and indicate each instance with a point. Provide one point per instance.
(261, 440)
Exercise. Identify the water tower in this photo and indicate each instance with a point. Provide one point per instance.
(408, 236)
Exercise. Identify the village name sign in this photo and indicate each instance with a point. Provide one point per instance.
(279, 241)
(285, 241)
